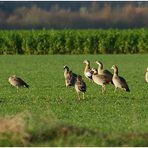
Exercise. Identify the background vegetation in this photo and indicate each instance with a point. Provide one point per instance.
(74, 15)
(109, 41)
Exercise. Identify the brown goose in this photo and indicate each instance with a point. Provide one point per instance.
(146, 75)
(99, 79)
(70, 77)
(105, 72)
(87, 70)
(17, 82)
(118, 81)
(80, 86)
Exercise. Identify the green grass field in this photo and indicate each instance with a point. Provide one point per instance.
(54, 116)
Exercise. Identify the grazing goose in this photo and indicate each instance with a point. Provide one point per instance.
(80, 86)
(105, 72)
(118, 81)
(87, 70)
(99, 79)
(146, 75)
(70, 77)
(17, 82)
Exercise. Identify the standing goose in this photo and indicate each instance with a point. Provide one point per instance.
(70, 77)
(146, 75)
(99, 79)
(17, 82)
(80, 86)
(87, 70)
(105, 72)
(118, 81)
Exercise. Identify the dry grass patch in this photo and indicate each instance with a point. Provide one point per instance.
(13, 131)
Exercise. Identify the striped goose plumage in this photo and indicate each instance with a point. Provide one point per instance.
(80, 86)
(70, 77)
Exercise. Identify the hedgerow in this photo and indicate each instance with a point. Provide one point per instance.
(110, 41)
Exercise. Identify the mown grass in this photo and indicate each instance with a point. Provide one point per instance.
(110, 119)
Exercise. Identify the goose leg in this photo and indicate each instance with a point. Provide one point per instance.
(103, 88)
(83, 96)
(17, 88)
(115, 89)
(78, 96)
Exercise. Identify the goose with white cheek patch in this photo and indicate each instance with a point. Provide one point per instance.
(119, 82)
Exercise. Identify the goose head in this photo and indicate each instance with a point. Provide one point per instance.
(87, 62)
(66, 68)
(94, 71)
(99, 63)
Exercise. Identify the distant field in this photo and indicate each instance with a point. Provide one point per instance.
(55, 117)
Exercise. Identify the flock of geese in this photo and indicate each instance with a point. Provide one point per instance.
(99, 76)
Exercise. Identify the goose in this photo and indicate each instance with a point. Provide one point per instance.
(99, 79)
(146, 75)
(80, 86)
(119, 82)
(17, 82)
(70, 77)
(87, 70)
(105, 72)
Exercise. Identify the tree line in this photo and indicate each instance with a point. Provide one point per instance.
(89, 15)
(111, 41)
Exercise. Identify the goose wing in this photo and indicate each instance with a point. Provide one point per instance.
(82, 86)
(21, 82)
(124, 83)
(108, 73)
(74, 75)
(71, 79)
